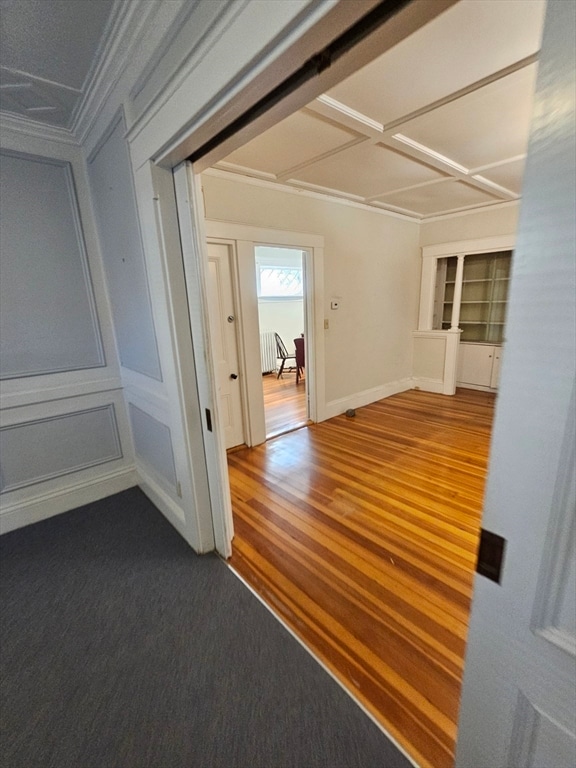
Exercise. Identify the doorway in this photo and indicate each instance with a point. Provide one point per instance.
(281, 290)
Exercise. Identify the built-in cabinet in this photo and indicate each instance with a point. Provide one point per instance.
(485, 280)
(464, 294)
(479, 365)
(482, 296)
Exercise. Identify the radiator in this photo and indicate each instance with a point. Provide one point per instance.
(268, 351)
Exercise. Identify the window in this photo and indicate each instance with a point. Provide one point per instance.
(279, 282)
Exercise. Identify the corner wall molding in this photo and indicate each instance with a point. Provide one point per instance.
(130, 23)
(33, 129)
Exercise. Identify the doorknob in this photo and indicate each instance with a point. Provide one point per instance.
(230, 318)
(233, 375)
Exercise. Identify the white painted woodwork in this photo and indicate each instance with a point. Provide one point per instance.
(65, 435)
(519, 693)
(121, 245)
(434, 360)
(298, 139)
(223, 326)
(377, 170)
(173, 402)
(373, 265)
(36, 451)
(426, 146)
(466, 128)
(496, 367)
(194, 254)
(46, 58)
(153, 445)
(47, 311)
(411, 75)
(475, 364)
(246, 239)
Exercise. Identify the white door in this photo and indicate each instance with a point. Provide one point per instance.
(519, 696)
(224, 343)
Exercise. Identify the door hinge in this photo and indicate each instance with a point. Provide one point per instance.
(490, 555)
(179, 489)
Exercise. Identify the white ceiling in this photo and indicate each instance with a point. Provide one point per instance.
(436, 125)
(47, 51)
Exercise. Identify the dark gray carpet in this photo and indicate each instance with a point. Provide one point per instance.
(121, 647)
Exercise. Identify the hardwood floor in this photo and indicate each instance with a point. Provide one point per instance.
(361, 534)
(284, 403)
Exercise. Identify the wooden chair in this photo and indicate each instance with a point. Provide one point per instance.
(300, 357)
(282, 354)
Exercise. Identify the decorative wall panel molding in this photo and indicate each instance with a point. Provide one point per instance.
(153, 444)
(47, 308)
(555, 609)
(123, 255)
(36, 451)
(536, 736)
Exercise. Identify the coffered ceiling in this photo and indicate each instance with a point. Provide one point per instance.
(436, 125)
(48, 49)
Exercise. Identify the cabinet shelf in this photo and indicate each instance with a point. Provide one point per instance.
(483, 299)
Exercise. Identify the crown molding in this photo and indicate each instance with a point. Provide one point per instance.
(127, 25)
(24, 126)
(301, 192)
(471, 210)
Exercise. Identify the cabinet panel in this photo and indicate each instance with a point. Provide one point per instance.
(496, 363)
(475, 364)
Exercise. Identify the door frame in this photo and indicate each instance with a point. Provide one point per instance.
(245, 237)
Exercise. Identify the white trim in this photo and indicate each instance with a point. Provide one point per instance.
(359, 399)
(331, 196)
(429, 385)
(468, 211)
(469, 247)
(128, 25)
(194, 255)
(245, 237)
(24, 126)
(344, 109)
(321, 663)
(64, 391)
(46, 505)
(162, 500)
(229, 230)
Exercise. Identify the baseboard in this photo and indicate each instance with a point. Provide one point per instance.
(165, 504)
(43, 506)
(357, 400)
(478, 387)
(429, 385)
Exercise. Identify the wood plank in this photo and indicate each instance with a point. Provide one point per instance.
(284, 403)
(361, 533)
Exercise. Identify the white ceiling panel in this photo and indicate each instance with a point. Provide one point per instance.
(52, 39)
(483, 127)
(296, 140)
(508, 175)
(437, 198)
(468, 42)
(367, 170)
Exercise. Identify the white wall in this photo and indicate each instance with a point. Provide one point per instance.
(371, 263)
(65, 439)
(492, 221)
